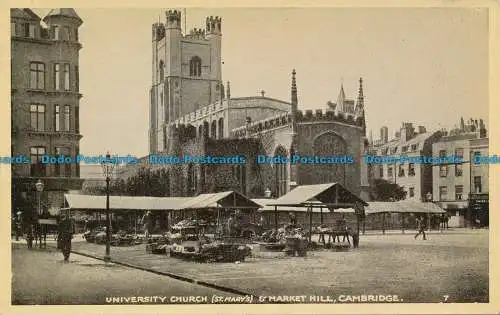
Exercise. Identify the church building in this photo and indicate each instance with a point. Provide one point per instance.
(193, 113)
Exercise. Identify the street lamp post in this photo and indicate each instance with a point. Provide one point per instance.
(39, 188)
(107, 168)
(429, 199)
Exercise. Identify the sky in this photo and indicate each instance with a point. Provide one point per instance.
(428, 66)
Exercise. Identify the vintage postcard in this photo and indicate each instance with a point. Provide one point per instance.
(259, 158)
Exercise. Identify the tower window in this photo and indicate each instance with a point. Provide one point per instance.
(162, 71)
(37, 117)
(57, 79)
(195, 67)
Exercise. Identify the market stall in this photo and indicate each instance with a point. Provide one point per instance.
(325, 197)
(220, 224)
(405, 209)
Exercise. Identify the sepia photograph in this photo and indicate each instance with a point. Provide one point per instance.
(190, 156)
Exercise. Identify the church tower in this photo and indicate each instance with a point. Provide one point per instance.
(186, 73)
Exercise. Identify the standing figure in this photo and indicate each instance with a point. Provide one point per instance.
(147, 222)
(66, 229)
(293, 219)
(421, 228)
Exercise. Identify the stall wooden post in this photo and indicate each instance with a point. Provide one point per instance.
(403, 222)
(276, 217)
(359, 211)
(310, 223)
(364, 223)
(429, 221)
(383, 222)
(321, 215)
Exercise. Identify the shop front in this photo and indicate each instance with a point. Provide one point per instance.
(478, 212)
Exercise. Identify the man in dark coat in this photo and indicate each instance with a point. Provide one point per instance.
(421, 228)
(66, 229)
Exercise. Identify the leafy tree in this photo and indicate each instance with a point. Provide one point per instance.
(383, 190)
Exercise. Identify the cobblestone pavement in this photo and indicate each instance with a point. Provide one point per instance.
(41, 277)
(447, 264)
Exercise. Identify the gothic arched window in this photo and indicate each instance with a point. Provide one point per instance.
(221, 128)
(162, 70)
(330, 144)
(200, 131)
(213, 130)
(281, 173)
(195, 67)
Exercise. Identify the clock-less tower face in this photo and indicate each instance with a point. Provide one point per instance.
(186, 72)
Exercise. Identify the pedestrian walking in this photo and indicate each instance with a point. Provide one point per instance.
(66, 229)
(421, 228)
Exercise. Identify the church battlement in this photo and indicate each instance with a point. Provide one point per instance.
(202, 112)
(196, 33)
(307, 116)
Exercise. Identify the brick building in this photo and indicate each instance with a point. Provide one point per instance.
(45, 104)
(192, 112)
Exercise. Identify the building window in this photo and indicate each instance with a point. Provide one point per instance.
(57, 78)
(37, 117)
(213, 130)
(411, 192)
(221, 128)
(67, 115)
(37, 168)
(443, 170)
(384, 151)
(26, 29)
(76, 34)
(459, 189)
(32, 31)
(389, 171)
(77, 119)
(13, 29)
(404, 149)
(401, 171)
(477, 157)
(37, 75)
(477, 184)
(57, 118)
(66, 77)
(191, 179)
(394, 150)
(459, 152)
(381, 171)
(414, 147)
(55, 32)
(77, 79)
(281, 173)
(195, 67)
(411, 169)
(66, 33)
(162, 71)
(64, 169)
(443, 193)
(458, 170)
(442, 153)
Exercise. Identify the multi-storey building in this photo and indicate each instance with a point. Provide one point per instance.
(45, 96)
(415, 178)
(462, 188)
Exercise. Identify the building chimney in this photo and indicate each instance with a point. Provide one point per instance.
(384, 134)
(407, 132)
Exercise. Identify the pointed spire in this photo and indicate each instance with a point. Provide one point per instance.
(228, 93)
(370, 140)
(294, 100)
(361, 97)
(341, 98)
(462, 124)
